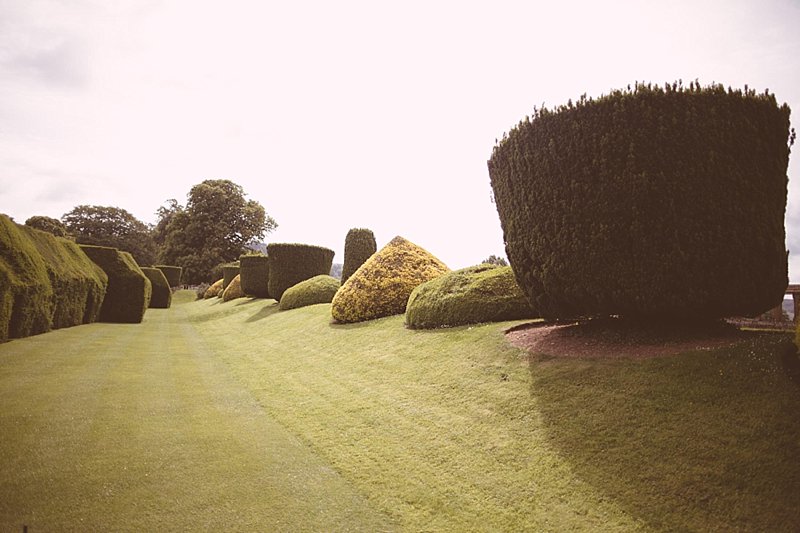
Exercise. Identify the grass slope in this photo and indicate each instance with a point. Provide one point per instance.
(210, 422)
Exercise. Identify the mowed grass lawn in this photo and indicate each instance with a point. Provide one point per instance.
(235, 416)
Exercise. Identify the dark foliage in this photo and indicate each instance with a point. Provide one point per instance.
(229, 271)
(359, 245)
(172, 273)
(129, 290)
(161, 297)
(289, 264)
(254, 272)
(112, 227)
(48, 224)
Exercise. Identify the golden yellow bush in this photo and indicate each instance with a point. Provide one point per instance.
(214, 290)
(381, 286)
(233, 290)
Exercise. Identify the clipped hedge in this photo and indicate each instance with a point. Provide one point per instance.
(655, 203)
(359, 245)
(172, 273)
(233, 290)
(215, 289)
(78, 284)
(289, 264)
(382, 285)
(483, 293)
(26, 295)
(161, 297)
(254, 271)
(129, 290)
(229, 271)
(317, 290)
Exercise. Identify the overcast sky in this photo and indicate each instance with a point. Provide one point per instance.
(341, 114)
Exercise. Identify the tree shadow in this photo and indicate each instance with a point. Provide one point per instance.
(699, 441)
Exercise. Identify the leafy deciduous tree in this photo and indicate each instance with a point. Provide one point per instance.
(48, 224)
(112, 226)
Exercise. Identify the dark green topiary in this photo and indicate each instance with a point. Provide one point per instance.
(651, 203)
(78, 284)
(359, 245)
(26, 296)
(172, 273)
(317, 290)
(229, 271)
(483, 293)
(254, 272)
(161, 297)
(129, 290)
(289, 264)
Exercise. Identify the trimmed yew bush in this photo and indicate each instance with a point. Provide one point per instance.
(229, 271)
(382, 285)
(655, 203)
(254, 271)
(129, 290)
(289, 264)
(172, 273)
(317, 290)
(215, 289)
(233, 290)
(161, 297)
(483, 293)
(359, 245)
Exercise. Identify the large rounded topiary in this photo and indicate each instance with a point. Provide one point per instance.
(483, 293)
(317, 290)
(172, 273)
(215, 289)
(289, 264)
(359, 245)
(233, 290)
(129, 290)
(382, 285)
(659, 203)
(161, 297)
(254, 271)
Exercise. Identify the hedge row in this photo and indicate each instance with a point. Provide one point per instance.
(229, 271)
(129, 290)
(359, 245)
(289, 264)
(45, 282)
(161, 297)
(254, 272)
(657, 202)
(172, 273)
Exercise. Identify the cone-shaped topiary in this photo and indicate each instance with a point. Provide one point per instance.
(382, 285)
(289, 264)
(229, 271)
(359, 245)
(162, 294)
(652, 203)
(317, 290)
(129, 290)
(172, 273)
(483, 293)
(215, 289)
(254, 270)
(233, 290)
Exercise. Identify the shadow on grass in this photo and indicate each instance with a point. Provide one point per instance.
(264, 312)
(705, 440)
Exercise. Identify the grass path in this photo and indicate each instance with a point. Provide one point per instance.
(141, 428)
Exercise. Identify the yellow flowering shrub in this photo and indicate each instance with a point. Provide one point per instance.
(215, 289)
(381, 286)
(233, 290)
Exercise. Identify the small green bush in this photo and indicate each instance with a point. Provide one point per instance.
(162, 293)
(317, 290)
(229, 271)
(172, 273)
(359, 245)
(289, 264)
(483, 293)
(254, 271)
(129, 290)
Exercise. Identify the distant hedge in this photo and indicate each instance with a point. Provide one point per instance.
(129, 290)
(359, 245)
(382, 285)
(483, 293)
(254, 271)
(172, 273)
(233, 290)
(317, 290)
(161, 297)
(289, 264)
(653, 203)
(229, 271)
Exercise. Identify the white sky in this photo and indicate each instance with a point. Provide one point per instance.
(341, 114)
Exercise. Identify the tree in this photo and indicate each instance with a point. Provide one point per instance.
(215, 227)
(112, 226)
(165, 215)
(495, 260)
(48, 224)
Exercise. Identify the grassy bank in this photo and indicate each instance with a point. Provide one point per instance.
(444, 430)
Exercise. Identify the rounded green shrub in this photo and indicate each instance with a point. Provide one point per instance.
(129, 291)
(172, 273)
(289, 264)
(254, 271)
(359, 245)
(161, 297)
(652, 203)
(382, 285)
(317, 290)
(229, 272)
(483, 293)
(233, 290)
